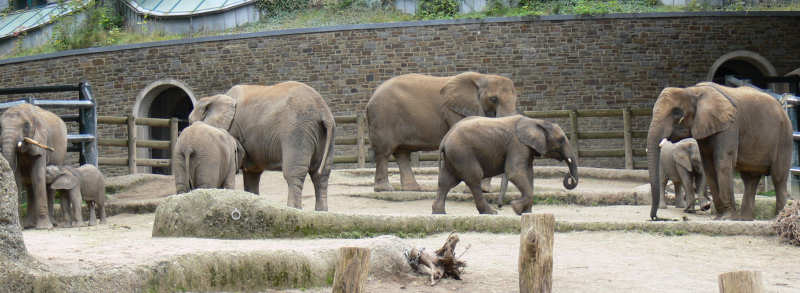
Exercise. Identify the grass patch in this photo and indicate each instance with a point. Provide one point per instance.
(768, 193)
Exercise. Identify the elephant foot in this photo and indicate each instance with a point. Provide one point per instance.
(738, 217)
(44, 224)
(519, 207)
(726, 215)
(382, 187)
(438, 208)
(487, 211)
(680, 204)
(28, 223)
(438, 212)
(321, 207)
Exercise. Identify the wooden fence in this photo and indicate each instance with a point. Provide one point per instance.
(361, 140)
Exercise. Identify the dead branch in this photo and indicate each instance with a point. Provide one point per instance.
(443, 263)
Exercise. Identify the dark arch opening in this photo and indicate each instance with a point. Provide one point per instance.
(742, 70)
(171, 102)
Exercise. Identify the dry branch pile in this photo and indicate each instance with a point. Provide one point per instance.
(787, 224)
(443, 263)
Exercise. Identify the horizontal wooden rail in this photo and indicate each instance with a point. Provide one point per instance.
(144, 121)
(123, 161)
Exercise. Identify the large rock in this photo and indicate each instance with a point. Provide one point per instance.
(12, 247)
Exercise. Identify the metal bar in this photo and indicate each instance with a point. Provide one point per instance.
(795, 171)
(7, 105)
(73, 138)
(67, 103)
(198, 5)
(40, 89)
(88, 124)
(71, 118)
(796, 135)
(12, 21)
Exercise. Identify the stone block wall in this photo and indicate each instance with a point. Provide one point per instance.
(558, 62)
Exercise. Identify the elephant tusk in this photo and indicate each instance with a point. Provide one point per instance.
(36, 143)
(19, 144)
(663, 141)
(569, 160)
(680, 120)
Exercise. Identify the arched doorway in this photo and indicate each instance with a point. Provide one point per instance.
(744, 65)
(162, 99)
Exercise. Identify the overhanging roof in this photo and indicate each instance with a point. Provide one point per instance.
(183, 7)
(21, 21)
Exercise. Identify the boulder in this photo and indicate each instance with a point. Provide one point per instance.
(12, 247)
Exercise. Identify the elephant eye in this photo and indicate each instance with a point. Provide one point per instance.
(493, 100)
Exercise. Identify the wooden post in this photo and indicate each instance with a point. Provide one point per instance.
(362, 148)
(741, 282)
(626, 128)
(352, 269)
(132, 144)
(536, 253)
(573, 135)
(173, 137)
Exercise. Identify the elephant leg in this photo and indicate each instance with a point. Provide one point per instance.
(251, 181)
(92, 215)
(486, 184)
(66, 212)
(75, 202)
(101, 207)
(750, 181)
(663, 181)
(382, 170)
(680, 193)
(179, 171)
(446, 182)
(320, 189)
(42, 208)
(51, 205)
(407, 180)
(687, 185)
(295, 163)
(480, 201)
(30, 214)
(523, 180)
(781, 194)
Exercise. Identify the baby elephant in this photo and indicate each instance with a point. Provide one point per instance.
(681, 163)
(205, 157)
(480, 147)
(85, 183)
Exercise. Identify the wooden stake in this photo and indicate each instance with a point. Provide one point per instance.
(132, 144)
(536, 253)
(351, 270)
(741, 282)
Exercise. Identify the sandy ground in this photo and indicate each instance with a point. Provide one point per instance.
(583, 261)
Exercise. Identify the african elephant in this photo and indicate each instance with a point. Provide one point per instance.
(205, 157)
(33, 138)
(480, 147)
(735, 128)
(84, 183)
(413, 112)
(286, 126)
(681, 163)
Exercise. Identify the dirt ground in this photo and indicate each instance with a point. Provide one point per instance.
(583, 261)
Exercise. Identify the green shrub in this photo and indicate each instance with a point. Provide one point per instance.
(437, 8)
(275, 7)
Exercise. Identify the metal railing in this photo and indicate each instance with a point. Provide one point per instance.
(85, 141)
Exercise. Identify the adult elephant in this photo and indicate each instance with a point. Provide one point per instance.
(32, 139)
(413, 112)
(286, 126)
(736, 129)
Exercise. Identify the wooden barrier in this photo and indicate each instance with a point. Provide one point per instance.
(132, 142)
(536, 253)
(741, 282)
(352, 269)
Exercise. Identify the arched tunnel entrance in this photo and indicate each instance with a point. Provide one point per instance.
(744, 65)
(162, 99)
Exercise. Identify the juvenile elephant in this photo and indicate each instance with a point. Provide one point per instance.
(205, 157)
(33, 138)
(681, 163)
(735, 128)
(286, 126)
(479, 147)
(413, 112)
(84, 183)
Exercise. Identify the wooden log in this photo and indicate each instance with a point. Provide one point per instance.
(112, 161)
(361, 126)
(600, 135)
(628, 138)
(152, 122)
(741, 282)
(547, 114)
(345, 159)
(600, 113)
(111, 120)
(120, 142)
(173, 138)
(351, 271)
(345, 119)
(642, 112)
(348, 140)
(153, 162)
(536, 253)
(573, 134)
(602, 153)
(132, 144)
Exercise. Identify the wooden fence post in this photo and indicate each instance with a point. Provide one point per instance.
(132, 144)
(351, 271)
(627, 135)
(741, 282)
(573, 135)
(536, 253)
(362, 148)
(173, 137)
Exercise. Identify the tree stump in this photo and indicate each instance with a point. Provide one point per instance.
(741, 282)
(352, 269)
(536, 253)
(443, 263)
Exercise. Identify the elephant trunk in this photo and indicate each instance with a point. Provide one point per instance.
(10, 148)
(654, 136)
(571, 179)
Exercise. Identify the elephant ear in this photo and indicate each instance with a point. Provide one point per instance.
(65, 181)
(533, 134)
(217, 111)
(681, 157)
(714, 111)
(462, 94)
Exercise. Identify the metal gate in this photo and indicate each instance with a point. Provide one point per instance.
(791, 104)
(85, 141)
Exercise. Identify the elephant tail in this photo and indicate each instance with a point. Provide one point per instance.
(189, 171)
(329, 125)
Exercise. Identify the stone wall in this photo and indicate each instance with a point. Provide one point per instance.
(557, 62)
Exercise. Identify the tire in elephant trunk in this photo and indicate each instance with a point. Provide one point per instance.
(571, 179)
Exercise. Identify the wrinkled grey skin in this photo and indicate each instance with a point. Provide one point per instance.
(736, 129)
(205, 157)
(84, 183)
(681, 163)
(29, 161)
(286, 126)
(413, 112)
(480, 147)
